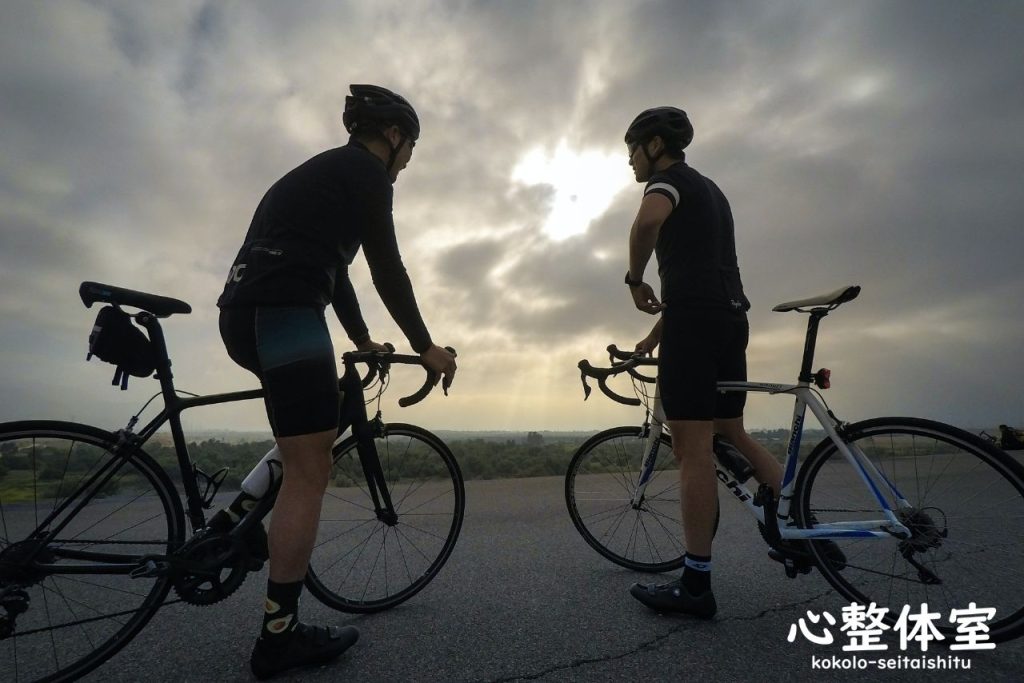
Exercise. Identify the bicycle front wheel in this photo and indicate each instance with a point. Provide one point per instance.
(365, 563)
(67, 603)
(965, 509)
(599, 488)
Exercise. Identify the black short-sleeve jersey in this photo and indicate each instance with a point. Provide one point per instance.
(696, 247)
(306, 231)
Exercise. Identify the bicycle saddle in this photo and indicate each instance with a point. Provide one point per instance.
(830, 300)
(160, 306)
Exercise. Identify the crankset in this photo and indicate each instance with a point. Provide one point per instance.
(210, 568)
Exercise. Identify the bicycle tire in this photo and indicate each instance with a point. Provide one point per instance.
(353, 568)
(967, 518)
(599, 486)
(77, 621)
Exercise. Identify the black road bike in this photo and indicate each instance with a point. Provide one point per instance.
(95, 536)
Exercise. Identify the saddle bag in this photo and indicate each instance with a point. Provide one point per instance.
(116, 340)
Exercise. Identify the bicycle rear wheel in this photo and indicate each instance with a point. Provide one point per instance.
(599, 487)
(79, 608)
(966, 513)
(362, 563)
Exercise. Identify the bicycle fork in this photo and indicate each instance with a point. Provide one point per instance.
(376, 483)
(652, 442)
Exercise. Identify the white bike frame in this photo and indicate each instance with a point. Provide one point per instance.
(875, 481)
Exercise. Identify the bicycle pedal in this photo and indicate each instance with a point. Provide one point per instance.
(151, 569)
(793, 565)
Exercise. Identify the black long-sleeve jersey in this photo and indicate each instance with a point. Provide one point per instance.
(307, 230)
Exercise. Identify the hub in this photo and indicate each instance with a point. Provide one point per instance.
(926, 532)
(15, 566)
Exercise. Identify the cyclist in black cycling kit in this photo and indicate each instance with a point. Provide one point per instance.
(294, 261)
(685, 219)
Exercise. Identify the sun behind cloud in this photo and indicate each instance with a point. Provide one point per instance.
(585, 183)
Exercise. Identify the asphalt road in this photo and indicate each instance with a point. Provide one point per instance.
(523, 598)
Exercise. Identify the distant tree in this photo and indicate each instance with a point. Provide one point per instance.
(8, 448)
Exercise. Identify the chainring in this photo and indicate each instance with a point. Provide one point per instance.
(222, 563)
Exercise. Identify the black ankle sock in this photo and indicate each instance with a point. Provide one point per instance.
(697, 574)
(281, 612)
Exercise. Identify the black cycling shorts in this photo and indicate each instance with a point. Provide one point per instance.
(289, 349)
(700, 348)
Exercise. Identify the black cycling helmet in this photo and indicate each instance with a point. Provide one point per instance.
(371, 104)
(670, 123)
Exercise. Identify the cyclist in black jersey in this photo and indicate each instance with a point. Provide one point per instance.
(685, 219)
(294, 261)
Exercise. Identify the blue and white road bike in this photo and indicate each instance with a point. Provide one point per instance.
(920, 511)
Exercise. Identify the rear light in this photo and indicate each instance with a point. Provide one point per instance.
(822, 377)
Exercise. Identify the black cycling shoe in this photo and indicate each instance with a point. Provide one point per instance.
(306, 646)
(674, 598)
(255, 540)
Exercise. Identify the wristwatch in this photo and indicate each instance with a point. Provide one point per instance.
(633, 283)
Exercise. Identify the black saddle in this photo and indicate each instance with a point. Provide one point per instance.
(160, 306)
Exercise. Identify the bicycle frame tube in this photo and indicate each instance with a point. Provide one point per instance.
(174, 406)
(131, 442)
(868, 473)
(80, 498)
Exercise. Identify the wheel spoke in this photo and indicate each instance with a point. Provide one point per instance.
(600, 486)
(966, 519)
(74, 621)
(427, 495)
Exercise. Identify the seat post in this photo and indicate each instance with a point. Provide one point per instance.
(812, 336)
(163, 361)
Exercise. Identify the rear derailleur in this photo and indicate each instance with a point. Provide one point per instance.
(14, 601)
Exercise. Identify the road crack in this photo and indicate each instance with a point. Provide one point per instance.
(656, 642)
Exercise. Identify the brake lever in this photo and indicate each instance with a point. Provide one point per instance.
(583, 378)
(447, 382)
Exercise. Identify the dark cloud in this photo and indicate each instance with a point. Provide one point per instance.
(872, 143)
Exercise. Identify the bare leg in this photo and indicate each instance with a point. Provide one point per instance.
(692, 444)
(767, 469)
(284, 641)
(692, 441)
(306, 463)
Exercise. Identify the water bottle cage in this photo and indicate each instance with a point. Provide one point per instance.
(732, 460)
(209, 484)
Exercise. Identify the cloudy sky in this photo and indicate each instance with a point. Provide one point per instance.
(870, 143)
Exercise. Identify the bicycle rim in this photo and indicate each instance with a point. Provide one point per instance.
(362, 564)
(76, 621)
(967, 515)
(599, 488)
